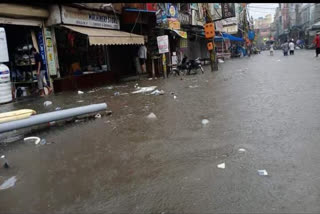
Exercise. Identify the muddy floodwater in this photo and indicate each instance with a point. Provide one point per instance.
(258, 113)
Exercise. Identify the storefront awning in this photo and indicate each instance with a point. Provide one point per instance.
(316, 26)
(108, 37)
(232, 38)
(181, 33)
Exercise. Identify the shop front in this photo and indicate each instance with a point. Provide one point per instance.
(170, 23)
(91, 49)
(24, 29)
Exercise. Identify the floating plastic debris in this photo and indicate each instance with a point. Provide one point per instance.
(152, 116)
(221, 166)
(8, 183)
(157, 92)
(242, 150)
(262, 172)
(205, 122)
(47, 103)
(35, 139)
(144, 89)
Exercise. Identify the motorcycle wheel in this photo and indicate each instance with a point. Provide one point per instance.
(201, 68)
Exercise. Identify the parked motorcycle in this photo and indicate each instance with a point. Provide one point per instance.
(181, 68)
(194, 65)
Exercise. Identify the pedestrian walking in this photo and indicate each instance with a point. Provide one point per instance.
(291, 46)
(317, 42)
(41, 72)
(271, 50)
(285, 48)
(142, 53)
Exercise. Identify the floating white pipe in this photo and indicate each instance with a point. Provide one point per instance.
(51, 116)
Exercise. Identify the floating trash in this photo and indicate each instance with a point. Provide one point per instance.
(220, 61)
(152, 116)
(174, 97)
(43, 141)
(221, 166)
(8, 183)
(35, 139)
(80, 92)
(157, 92)
(47, 103)
(80, 101)
(144, 89)
(205, 122)
(5, 162)
(98, 116)
(242, 150)
(116, 93)
(58, 108)
(262, 172)
(193, 86)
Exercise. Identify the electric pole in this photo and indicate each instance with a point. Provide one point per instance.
(213, 55)
(245, 32)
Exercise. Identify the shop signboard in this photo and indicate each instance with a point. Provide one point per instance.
(50, 53)
(219, 26)
(174, 24)
(151, 6)
(4, 56)
(228, 10)
(184, 18)
(230, 29)
(42, 49)
(194, 6)
(75, 16)
(161, 17)
(163, 44)
(172, 11)
(216, 11)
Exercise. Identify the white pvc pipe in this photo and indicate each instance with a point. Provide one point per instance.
(51, 116)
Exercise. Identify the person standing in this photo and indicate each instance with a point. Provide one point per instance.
(142, 54)
(271, 50)
(41, 72)
(291, 46)
(285, 48)
(317, 42)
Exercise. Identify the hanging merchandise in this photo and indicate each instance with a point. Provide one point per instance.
(251, 35)
(4, 57)
(71, 38)
(172, 11)
(183, 43)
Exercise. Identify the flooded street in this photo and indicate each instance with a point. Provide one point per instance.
(262, 114)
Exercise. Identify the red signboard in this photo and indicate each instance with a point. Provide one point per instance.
(151, 6)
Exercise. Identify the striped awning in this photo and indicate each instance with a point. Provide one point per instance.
(108, 37)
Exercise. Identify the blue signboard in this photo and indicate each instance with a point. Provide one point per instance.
(172, 11)
(42, 49)
(42, 52)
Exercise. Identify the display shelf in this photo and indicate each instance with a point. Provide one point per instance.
(26, 82)
(25, 64)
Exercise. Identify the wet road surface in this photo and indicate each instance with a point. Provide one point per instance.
(126, 163)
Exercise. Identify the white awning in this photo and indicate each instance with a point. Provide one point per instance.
(108, 37)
